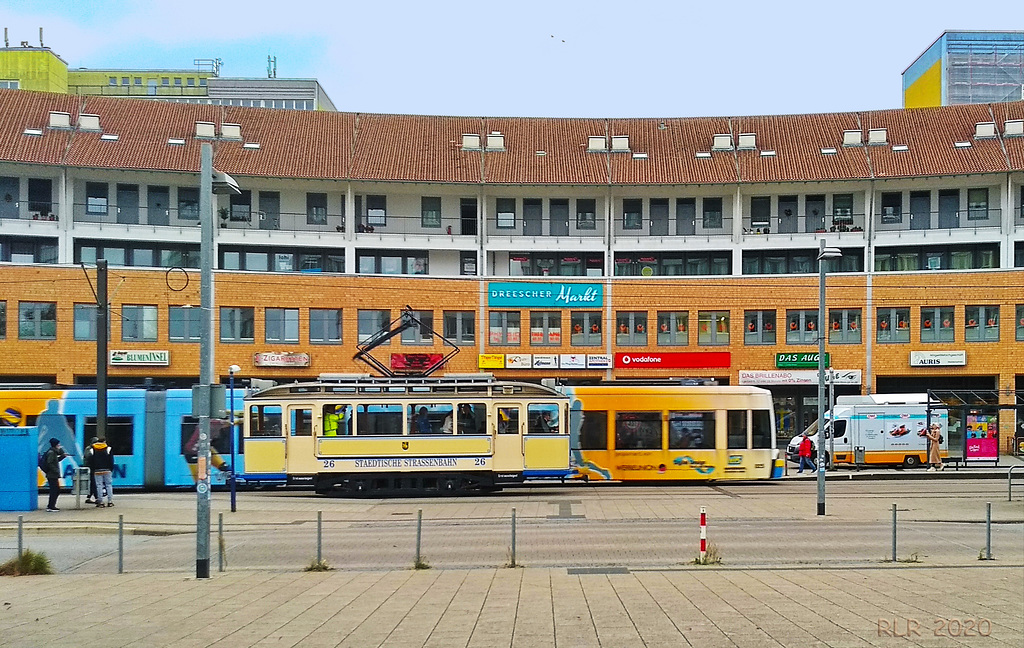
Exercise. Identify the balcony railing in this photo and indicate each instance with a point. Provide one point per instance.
(891, 220)
(804, 223)
(515, 226)
(29, 210)
(107, 90)
(705, 226)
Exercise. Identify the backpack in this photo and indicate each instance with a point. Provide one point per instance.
(43, 461)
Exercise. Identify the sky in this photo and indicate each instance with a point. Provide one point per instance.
(529, 58)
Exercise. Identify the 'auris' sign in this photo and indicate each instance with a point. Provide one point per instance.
(545, 295)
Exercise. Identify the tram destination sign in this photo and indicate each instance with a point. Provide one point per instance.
(798, 360)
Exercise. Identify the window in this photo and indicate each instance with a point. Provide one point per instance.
(85, 321)
(981, 324)
(265, 421)
(37, 321)
(417, 335)
(376, 210)
(937, 257)
(125, 81)
(1020, 321)
(593, 430)
(372, 322)
(430, 212)
(892, 207)
(241, 207)
(798, 262)
(638, 430)
(550, 264)
(281, 259)
(545, 328)
(542, 418)
(844, 326)
(467, 263)
(431, 418)
(761, 429)
(586, 214)
(119, 433)
(713, 328)
(28, 249)
(190, 82)
(460, 326)
(937, 324)
(673, 263)
(138, 323)
(712, 213)
(506, 213)
(893, 325)
(760, 211)
(3, 320)
(237, 324)
(842, 209)
(177, 81)
(503, 328)
(759, 327)
(691, 430)
(188, 203)
(632, 213)
(586, 328)
(673, 328)
(95, 197)
(325, 325)
(393, 262)
(165, 81)
(282, 325)
(736, 429)
(977, 204)
(184, 324)
(316, 209)
(112, 81)
(10, 84)
(508, 420)
(801, 327)
(631, 328)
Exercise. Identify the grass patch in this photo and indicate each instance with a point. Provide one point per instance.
(981, 555)
(318, 566)
(912, 559)
(711, 556)
(31, 563)
(421, 564)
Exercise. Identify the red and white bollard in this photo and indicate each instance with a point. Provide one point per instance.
(703, 533)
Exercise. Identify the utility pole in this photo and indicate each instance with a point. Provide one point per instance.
(205, 361)
(102, 328)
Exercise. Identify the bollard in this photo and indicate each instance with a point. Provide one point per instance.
(220, 542)
(120, 544)
(419, 534)
(319, 537)
(703, 534)
(513, 536)
(894, 533)
(21, 522)
(988, 531)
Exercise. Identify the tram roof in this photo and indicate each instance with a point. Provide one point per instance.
(397, 387)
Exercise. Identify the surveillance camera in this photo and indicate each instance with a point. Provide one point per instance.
(224, 184)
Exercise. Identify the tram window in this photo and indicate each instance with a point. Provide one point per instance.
(840, 426)
(471, 418)
(691, 430)
(638, 430)
(119, 433)
(543, 418)
(431, 418)
(220, 442)
(594, 430)
(337, 419)
(761, 430)
(265, 421)
(736, 423)
(379, 420)
(508, 420)
(301, 422)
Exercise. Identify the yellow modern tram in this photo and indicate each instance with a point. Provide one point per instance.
(666, 432)
(364, 435)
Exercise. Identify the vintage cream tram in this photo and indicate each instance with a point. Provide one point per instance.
(365, 435)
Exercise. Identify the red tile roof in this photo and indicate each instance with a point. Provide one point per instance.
(404, 148)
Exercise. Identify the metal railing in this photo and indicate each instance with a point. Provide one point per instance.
(943, 220)
(29, 210)
(804, 224)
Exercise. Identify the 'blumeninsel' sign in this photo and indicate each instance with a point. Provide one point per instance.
(161, 358)
(545, 295)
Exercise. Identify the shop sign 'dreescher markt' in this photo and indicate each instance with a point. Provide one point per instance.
(545, 295)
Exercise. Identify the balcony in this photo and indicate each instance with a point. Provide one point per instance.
(795, 224)
(632, 228)
(944, 222)
(29, 210)
(106, 90)
(511, 228)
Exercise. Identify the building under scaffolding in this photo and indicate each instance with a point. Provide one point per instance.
(967, 67)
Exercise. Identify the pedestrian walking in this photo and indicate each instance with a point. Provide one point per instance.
(92, 476)
(806, 448)
(51, 468)
(934, 444)
(101, 461)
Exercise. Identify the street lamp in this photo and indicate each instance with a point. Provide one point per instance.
(231, 396)
(824, 253)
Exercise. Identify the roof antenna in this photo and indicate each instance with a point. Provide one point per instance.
(271, 67)
(7, 43)
(41, 37)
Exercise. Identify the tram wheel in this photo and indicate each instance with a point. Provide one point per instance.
(911, 461)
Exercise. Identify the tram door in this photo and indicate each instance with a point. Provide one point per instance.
(508, 437)
(300, 457)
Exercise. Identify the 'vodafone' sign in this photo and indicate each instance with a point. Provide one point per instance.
(673, 360)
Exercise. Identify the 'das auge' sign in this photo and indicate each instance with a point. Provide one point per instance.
(798, 360)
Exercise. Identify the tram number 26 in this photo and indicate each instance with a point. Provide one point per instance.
(328, 463)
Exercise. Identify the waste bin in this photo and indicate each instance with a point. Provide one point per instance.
(80, 484)
(858, 455)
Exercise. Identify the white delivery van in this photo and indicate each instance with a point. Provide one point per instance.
(878, 429)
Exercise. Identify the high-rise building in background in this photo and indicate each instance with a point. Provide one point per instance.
(964, 67)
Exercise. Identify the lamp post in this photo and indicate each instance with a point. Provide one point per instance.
(231, 430)
(824, 253)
